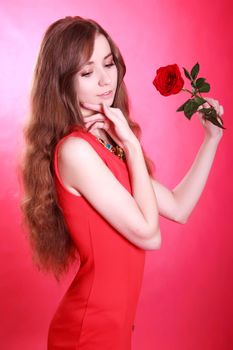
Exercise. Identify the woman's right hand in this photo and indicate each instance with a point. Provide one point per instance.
(112, 120)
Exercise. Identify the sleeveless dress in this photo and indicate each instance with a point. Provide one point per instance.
(97, 311)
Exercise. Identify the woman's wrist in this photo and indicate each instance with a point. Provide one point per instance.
(212, 139)
(131, 146)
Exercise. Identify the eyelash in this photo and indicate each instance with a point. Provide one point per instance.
(107, 65)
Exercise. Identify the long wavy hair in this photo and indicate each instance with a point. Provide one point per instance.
(54, 110)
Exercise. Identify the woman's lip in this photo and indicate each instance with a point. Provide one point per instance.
(108, 94)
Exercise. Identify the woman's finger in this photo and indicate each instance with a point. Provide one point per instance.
(215, 104)
(201, 118)
(109, 113)
(100, 124)
(209, 99)
(103, 108)
(92, 106)
(94, 117)
(221, 110)
(100, 118)
(219, 120)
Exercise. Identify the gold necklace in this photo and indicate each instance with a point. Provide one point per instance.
(117, 150)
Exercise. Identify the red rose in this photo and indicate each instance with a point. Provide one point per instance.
(168, 80)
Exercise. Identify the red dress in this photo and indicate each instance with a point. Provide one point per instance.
(97, 311)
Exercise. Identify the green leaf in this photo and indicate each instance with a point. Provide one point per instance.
(216, 122)
(190, 108)
(204, 88)
(199, 100)
(209, 112)
(212, 116)
(195, 71)
(181, 108)
(200, 82)
(187, 73)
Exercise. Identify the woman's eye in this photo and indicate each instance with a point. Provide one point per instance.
(107, 65)
(85, 74)
(110, 64)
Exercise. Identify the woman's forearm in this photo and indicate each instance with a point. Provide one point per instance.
(142, 189)
(188, 191)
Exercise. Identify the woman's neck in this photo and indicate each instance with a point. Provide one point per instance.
(103, 135)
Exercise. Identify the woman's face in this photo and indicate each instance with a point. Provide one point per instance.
(97, 77)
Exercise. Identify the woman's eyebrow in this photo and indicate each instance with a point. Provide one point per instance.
(91, 62)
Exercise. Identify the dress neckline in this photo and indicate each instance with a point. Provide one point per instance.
(111, 154)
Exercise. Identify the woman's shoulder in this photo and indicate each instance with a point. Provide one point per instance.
(71, 150)
(78, 142)
(73, 145)
(71, 136)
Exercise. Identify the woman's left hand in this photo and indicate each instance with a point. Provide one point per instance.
(212, 131)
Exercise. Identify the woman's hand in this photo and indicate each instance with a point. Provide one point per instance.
(111, 120)
(212, 131)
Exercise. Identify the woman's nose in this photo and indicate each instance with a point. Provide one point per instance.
(104, 78)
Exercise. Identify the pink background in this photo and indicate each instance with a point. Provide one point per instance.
(186, 297)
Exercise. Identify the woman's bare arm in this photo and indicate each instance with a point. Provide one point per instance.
(167, 204)
(142, 187)
(177, 204)
(132, 215)
(189, 190)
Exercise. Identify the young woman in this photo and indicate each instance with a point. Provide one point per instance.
(90, 193)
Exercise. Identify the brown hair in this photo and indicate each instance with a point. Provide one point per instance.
(54, 109)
